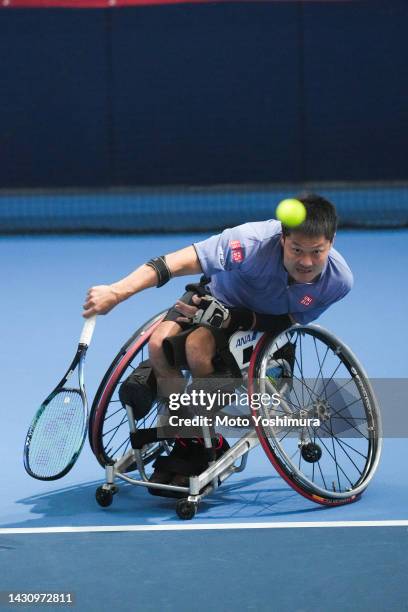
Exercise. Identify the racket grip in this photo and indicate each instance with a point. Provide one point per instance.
(87, 331)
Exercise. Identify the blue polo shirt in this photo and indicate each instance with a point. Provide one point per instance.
(245, 264)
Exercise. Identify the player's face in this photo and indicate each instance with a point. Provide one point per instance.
(304, 257)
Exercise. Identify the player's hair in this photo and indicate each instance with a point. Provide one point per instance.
(321, 217)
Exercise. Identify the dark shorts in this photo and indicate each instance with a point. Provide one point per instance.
(174, 347)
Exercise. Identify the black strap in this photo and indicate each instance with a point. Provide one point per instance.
(140, 437)
(241, 318)
(161, 268)
(272, 323)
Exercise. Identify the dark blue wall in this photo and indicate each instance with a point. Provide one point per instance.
(204, 94)
(53, 98)
(356, 90)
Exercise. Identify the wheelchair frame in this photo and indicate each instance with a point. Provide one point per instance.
(219, 470)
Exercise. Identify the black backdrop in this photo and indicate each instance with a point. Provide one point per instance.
(204, 94)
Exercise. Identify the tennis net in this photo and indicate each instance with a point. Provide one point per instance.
(185, 209)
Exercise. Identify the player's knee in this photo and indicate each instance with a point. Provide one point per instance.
(156, 346)
(200, 350)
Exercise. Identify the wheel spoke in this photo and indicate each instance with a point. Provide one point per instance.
(127, 442)
(341, 442)
(320, 372)
(301, 367)
(115, 429)
(113, 413)
(352, 425)
(321, 474)
(334, 460)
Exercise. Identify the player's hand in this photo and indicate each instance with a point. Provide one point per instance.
(99, 300)
(187, 310)
(207, 311)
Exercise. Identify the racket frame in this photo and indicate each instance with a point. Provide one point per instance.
(78, 361)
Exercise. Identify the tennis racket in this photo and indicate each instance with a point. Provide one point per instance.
(57, 433)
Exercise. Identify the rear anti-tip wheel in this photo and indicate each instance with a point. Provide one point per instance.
(186, 510)
(103, 497)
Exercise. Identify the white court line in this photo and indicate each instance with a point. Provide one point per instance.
(201, 527)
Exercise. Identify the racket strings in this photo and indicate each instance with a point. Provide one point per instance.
(58, 434)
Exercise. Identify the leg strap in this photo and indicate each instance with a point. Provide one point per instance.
(139, 390)
(141, 437)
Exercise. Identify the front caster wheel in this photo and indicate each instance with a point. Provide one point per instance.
(103, 497)
(186, 509)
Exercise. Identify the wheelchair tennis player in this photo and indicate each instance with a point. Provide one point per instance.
(257, 276)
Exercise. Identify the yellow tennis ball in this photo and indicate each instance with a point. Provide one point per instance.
(291, 212)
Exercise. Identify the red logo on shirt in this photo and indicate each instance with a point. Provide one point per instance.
(306, 300)
(237, 251)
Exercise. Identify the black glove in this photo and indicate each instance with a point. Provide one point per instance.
(211, 312)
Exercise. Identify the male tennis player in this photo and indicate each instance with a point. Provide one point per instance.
(259, 276)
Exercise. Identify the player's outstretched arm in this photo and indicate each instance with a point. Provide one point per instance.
(102, 298)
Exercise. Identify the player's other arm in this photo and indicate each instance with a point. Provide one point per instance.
(102, 298)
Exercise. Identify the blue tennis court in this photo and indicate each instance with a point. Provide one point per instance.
(248, 569)
(233, 534)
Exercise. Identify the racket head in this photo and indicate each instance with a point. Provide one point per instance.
(56, 435)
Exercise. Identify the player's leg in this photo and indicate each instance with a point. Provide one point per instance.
(169, 380)
(200, 348)
(151, 378)
(213, 367)
(168, 376)
(189, 455)
(159, 376)
(167, 356)
(166, 348)
(210, 371)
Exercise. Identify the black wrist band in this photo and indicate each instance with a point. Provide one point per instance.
(161, 268)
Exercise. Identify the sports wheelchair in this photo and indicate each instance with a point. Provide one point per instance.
(329, 458)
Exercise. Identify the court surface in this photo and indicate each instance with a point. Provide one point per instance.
(229, 556)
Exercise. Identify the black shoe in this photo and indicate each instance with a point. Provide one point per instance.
(199, 459)
(163, 468)
(160, 477)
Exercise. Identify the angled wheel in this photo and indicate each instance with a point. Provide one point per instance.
(322, 431)
(103, 497)
(108, 423)
(186, 510)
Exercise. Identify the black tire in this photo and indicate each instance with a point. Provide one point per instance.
(108, 424)
(333, 463)
(103, 497)
(186, 510)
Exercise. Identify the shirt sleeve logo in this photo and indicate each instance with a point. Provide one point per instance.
(306, 300)
(221, 256)
(237, 252)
